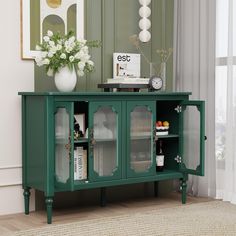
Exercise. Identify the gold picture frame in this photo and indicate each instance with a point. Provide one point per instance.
(29, 37)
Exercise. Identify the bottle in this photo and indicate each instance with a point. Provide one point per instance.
(160, 158)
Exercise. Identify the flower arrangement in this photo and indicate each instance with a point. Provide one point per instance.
(163, 53)
(58, 51)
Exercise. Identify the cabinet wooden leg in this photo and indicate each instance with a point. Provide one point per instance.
(103, 200)
(156, 188)
(183, 189)
(49, 201)
(26, 199)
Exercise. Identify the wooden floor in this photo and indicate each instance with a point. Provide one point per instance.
(16, 222)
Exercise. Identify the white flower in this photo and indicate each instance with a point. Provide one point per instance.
(72, 39)
(71, 58)
(46, 38)
(53, 49)
(39, 61)
(82, 41)
(51, 43)
(85, 58)
(50, 54)
(81, 65)
(38, 48)
(85, 49)
(59, 47)
(91, 63)
(50, 33)
(59, 41)
(46, 61)
(44, 54)
(63, 56)
(67, 44)
(79, 54)
(69, 49)
(57, 50)
(80, 73)
(50, 72)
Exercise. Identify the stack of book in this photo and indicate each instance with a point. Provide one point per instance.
(80, 164)
(128, 81)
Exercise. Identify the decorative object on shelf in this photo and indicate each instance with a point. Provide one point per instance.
(144, 23)
(39, 15)
(164, 56)
(160, 158)
(78, 126)
(156, 69)
(62, 55)
(65, 79)
(155, 83)
(126, 65)
(162, 128)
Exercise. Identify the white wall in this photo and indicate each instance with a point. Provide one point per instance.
(16, 75)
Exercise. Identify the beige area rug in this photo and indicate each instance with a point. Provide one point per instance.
(208, 218)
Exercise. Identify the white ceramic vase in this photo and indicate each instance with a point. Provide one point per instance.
(65, 79)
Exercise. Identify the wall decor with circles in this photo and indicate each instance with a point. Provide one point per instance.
(39, 16)
(145, 23)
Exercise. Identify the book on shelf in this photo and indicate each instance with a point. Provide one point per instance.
(126, 65)
(80, 164)
(127, 80)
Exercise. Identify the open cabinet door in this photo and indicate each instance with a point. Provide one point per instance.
(192, 137)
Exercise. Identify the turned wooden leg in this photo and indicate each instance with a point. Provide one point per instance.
(49, 201)
(27, 199)
(103, 200)
(183, 189)
(156, 188)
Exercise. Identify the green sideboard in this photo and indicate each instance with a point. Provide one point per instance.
(118, 143)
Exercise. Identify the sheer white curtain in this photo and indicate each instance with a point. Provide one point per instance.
(194, 71)
(226, 100)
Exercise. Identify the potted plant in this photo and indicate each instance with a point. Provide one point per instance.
(62, 56)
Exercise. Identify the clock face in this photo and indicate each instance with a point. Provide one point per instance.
(155, 83)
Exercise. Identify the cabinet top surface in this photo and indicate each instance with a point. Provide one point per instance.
(160, 93)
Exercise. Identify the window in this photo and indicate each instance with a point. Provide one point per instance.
(225, 70)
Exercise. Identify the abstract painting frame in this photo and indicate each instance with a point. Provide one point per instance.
(27, 47)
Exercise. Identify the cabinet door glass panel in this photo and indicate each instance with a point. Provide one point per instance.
(191, 136)
(62, 145)
(141, 134)
(105, 141)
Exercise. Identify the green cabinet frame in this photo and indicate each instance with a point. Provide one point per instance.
(200, 106)
(68, 106)
(116, 108)
(150, 105)
(38, 140)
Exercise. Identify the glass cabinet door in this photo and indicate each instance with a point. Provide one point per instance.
(105, 140)
(63, 145)
(192, 138)
(141, 144)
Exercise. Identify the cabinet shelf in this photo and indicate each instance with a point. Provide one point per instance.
(105, 140)
(168, 136)
(81, 140)
(140, 137)
(166, 172)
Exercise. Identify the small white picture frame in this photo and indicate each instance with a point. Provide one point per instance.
(80, 119)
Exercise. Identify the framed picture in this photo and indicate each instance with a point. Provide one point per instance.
(39, 16)
(79, 125)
